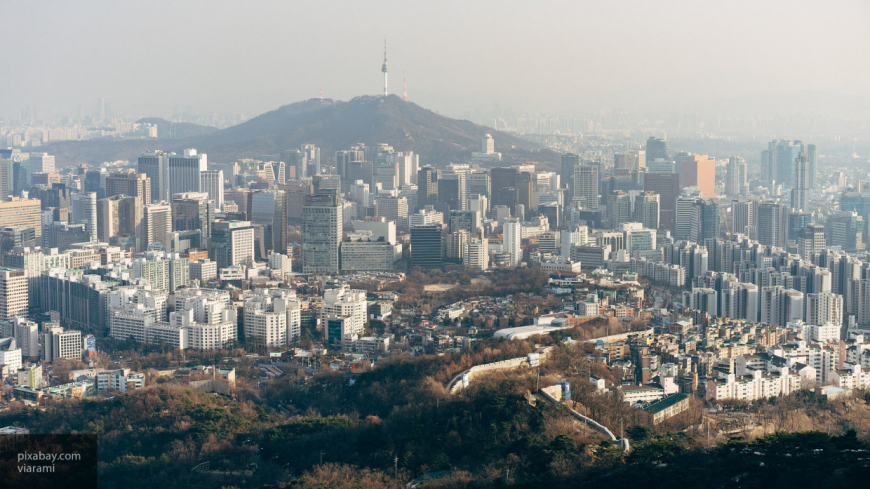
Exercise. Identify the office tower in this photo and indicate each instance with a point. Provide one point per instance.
(451, 192)
(426, 247)
(618, 208)
(193, 211)
(503, 186)
(811, 240)
(736, 178)
(393, 209)
(525, 190)
(800, 191)
(768, 167)
(743, 217)
(464, 221)
(43, 163)
(232, 243)
(120, 216)
(20, 173)
(710, 215)
(295, 193)
(269, 209)
(321, 232)
(646, 209)
(570, 162)
(311, 155)
(158, 222)
(586, 186)
(156, 166)
(476, 253)
(699, 171)
(212, 183)
(455, 245)
(512, 238)
(478, 203)
(131, 184)
(657, 148)
(478, 183)
(812, 163)
(17, 236)
(795, 223)
(772, 224)
(784, 154)
(95, 181)
(631, 160)
(846, 230)
(60, 343)
(667, 186)
(427, 187)
(185, 171)
(84, 211)
(13, 293)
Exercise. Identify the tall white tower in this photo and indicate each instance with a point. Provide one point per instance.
(385, 69)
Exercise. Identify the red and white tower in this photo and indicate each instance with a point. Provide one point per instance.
(385, 69)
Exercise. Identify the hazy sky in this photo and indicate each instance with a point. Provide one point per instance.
(252, 56)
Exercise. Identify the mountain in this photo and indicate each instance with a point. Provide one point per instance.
(331, 125)
(177, 130)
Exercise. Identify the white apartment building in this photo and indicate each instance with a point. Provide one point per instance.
(347, 303)
(757, 385)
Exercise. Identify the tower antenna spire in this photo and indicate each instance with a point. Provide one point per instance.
(385, 68)
(404, 86)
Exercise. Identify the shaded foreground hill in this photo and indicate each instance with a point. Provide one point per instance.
(332, 125)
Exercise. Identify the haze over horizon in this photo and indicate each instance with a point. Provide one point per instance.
(459, 57)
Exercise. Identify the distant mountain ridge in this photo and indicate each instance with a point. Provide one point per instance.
(332, 125)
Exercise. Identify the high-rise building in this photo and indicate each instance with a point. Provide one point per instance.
(647, 209)
(43, 163)
(811, 240)
(321, 232)
(84, 211)
(426, 246)
(193, 211)
(121, 216)
(158, 222)
(476, 253)
(185, 171)
(846, 230)
(156, 166)
(586, 186)
(657, 148)
(699, 171)
(427, 187)
(525, 190)
(801, 180)
(667, 186)
(478, 183)
(570, 162)
(772, 224)
(212, 183)
(618, 208)
(736, 177)
(23, 214)
(131, 184)
(631, 160)
(13, 293)
(232, 243)
(393, 209)
(451, 192)
(504, 183)
(512, 239)
(812, 167)
(269, 210)
(743, 217)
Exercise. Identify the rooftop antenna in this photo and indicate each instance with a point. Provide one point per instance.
(321, 94)
(404, 86)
